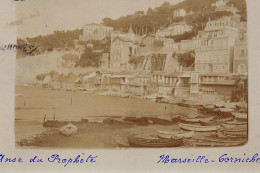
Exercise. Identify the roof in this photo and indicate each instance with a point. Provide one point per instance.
(130, 31)
(227, 82)
(215, 74)
(149, 35)
(122, 39)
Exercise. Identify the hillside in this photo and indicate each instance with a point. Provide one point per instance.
(150, 21)
(60, 40)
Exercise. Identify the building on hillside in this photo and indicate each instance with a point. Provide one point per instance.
(179, 13)
(179, 82)
(174, 29)
(121, 50)
(240, 57)
(102, 80)
(95, 31)
(240, 93)
(158, 77)
(105, 61)
(123, 46)
(118, 84)
(221, 5)
(148, 41)
(217, 87)
(215, 47)
(137, 85)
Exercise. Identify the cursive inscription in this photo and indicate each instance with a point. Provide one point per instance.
(26, 48)
(223, 158)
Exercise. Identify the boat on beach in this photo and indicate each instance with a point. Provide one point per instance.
(209, 123)
(195, 120)
(230, 137)
(196, 128)
(240, 116)
(235, 125)
(171, 135)
(122, 141)
(240, 133)
(210, 143)
(154, 142)
(183, 104)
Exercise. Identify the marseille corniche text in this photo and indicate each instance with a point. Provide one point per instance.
(54, 158)
(223, 158)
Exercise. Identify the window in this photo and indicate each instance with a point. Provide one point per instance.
(242, 52)
(241, 68)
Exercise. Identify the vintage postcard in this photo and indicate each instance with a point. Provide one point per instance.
(141, 74)
(170, 76)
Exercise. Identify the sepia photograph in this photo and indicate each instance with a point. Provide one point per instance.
(120, 74)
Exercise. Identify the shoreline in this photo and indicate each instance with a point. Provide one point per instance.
(95, 130)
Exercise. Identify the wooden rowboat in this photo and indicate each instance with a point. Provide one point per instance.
(195, 120)
(196, 128)
(234, 126)
(155, 142)
(240, 133)
(122, 141)
(241, 116)
(204, 143)
(170, 135)
(222, 135)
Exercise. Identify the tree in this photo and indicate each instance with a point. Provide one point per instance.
(186, 59)
(89, 59)
(40, 77)
(69, 60)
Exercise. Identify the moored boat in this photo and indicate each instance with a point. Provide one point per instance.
(183, 104)
(154, 142)
(206, 143)
(230, 137)
(225, 110)
(240, 116)
(176, 118)
(240, 133)
(209, 123)
(122, 141)
(171, 135)
(196, 128)
(233, 125)
(195, 120)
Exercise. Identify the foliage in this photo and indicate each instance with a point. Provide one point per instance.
(57, 40)
(184, 36)
(53, 74)
(69, 60)
(149, 21)
(40, 77)
(158, 62)
(186, 59)
(89, 59)
(136, 60)
(98, 44)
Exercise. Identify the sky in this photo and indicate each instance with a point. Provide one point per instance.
(41, 17)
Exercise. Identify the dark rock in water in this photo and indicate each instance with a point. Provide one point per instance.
(84, 120)
(148, 120)
(54, 123)
(112, 121)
